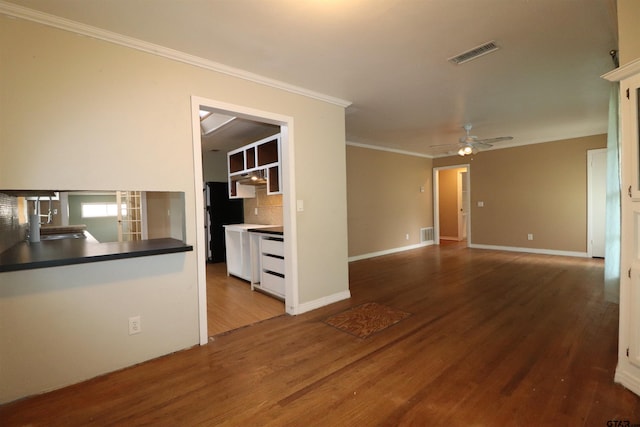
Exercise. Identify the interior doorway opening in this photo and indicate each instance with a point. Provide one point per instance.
(226, 301)
(452, 213)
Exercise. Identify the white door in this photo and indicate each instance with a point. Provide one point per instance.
(129, 215)
(463, 204)
(597, 195)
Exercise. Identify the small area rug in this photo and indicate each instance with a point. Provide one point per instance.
(366, 319)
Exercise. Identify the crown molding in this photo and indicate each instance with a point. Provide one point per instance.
(16, 11)
(390, 150)
(623, 72)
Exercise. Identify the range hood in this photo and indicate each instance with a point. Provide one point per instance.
(258, 177)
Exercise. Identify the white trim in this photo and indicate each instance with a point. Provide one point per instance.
(530, 250)
(321, 302)
(154, 49)
(627, 380)
(623, 72)
(390, 150)
(391, 251)
(288, 183)
(200, 247)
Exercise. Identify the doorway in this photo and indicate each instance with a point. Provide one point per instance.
(452, 216)
(205, 271)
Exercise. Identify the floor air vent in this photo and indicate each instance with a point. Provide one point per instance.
(474, 53)
(426, 234)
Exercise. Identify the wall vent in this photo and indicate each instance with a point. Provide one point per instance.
(474, 53)
(426, 235)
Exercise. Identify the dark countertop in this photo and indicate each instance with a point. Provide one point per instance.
(53, 253)
(269, 230)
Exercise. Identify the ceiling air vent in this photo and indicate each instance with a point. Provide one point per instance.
(474, 53)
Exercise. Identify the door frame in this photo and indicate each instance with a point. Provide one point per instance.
(288, 208)
(436, 201)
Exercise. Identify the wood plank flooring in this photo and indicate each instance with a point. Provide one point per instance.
(494, 339)
(231, 304)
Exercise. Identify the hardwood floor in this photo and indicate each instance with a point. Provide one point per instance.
(494, 339)
(231, 304)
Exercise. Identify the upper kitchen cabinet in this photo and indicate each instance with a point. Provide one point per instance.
(255, 164)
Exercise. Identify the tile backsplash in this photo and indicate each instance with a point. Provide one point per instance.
(11, 232)
(269, 208)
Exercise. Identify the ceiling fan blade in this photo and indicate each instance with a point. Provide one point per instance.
(492, 140)
(443, 145)
(482, 145)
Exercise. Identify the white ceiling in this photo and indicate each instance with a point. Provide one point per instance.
(389, 58)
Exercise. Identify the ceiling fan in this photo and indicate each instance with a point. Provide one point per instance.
(470, 144)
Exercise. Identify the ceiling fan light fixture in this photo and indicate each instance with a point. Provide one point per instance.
(465, 150)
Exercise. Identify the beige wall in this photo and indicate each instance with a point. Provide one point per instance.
(384, 199)
(539, 189)
(78, 113)
(628, 30)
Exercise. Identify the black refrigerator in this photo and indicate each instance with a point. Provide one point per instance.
(220, 211)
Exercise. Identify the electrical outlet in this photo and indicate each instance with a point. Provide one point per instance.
(407, 236)
(135, 327)
(255, 211)
(529, 236)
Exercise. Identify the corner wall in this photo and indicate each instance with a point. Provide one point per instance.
(538, 189)
(384, 200)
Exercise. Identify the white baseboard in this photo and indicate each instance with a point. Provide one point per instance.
(321, 302)
(390, 251)
(530, 250)
(627, 380)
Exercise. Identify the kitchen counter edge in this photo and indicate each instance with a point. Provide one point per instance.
(268, 230)
(55, 253)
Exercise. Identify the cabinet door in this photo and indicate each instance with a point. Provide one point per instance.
(273, 283)
(273, 180)
(634, 286)
(630, 119)
(233, 243)
(630, 231)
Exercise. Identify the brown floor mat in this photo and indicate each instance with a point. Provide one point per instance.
(366, 319)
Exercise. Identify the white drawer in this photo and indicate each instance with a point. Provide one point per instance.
(273, 264)
(271, 246)
(273, 283)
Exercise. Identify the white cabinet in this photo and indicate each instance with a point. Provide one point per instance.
(270, 276)
(261, 156)
(238, 246)
(628, 369)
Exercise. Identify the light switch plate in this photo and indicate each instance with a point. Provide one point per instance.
(300, 205)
